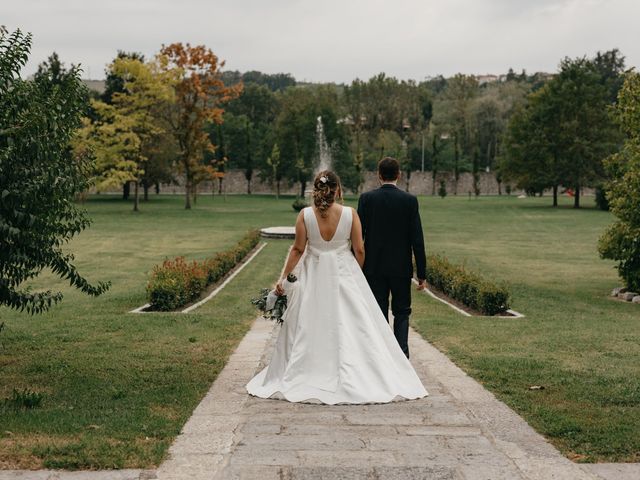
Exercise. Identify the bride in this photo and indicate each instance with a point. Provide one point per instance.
(335, 345)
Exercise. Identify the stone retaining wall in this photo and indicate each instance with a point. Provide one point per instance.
(420, 183)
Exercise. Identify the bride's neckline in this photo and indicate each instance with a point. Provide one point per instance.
(313, 210)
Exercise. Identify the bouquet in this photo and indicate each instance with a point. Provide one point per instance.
(271, 305)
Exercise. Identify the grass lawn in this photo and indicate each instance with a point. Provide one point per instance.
(120, 386)
(583, 347)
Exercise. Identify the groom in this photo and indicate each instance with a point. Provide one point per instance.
(392, 231)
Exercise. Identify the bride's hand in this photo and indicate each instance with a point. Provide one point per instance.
(279, 289)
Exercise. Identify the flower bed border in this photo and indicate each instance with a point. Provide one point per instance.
(462, 309)
(214, 288)
(466, 291)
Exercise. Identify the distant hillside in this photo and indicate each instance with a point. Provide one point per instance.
(95, 85)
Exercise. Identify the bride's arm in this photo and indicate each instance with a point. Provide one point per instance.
(357, 243)
(299, 245)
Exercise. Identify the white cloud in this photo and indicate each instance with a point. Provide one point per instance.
(334, 39)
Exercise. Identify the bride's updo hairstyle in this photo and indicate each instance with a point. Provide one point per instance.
(326, 190)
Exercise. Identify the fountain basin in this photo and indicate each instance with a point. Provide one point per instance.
(278, 232)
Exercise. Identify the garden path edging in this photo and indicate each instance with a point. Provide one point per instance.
(218, 289)
(427, 290)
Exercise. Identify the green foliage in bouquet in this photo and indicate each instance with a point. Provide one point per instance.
(277, 312)
(279, 307)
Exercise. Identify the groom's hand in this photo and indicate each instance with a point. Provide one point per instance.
(422, 284)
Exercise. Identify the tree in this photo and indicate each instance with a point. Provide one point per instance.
(586, 134)
(610, 67)
(148, 92)
(531, 158)
(563, 134)
(39, 178)
(621, 241)
(247, 127)
(114, 84)
(126, 133)
(54, 69)
(296, 133)
(274, 82)
(113, 143)
(275, 175)
(199, 94)
(381, 108)
(455, 114)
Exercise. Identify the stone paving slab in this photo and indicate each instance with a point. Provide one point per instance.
(614, 471)
(81, 475)
(459, 432)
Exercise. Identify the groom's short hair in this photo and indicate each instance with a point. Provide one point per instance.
(388, 169)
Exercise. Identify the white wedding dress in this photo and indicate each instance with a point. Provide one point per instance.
(335, 346)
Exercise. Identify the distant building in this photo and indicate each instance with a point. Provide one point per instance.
(95, 85)
(489, 78)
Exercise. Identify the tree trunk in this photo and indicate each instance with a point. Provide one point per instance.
(136, 196)
(499, 188)
(555, 195)
(303, 187)
(194, 190)
(277, 189)
(126, 188)
(408, 177)
(456, 173)
(157, 188)
(220, 186)
(145, 186)
(187, 196)
(248, 174)
(576, 198)
(434, 177)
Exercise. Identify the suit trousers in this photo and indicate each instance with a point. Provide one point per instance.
(400, 290)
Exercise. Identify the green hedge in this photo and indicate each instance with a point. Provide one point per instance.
(177, 282)
(469, 288)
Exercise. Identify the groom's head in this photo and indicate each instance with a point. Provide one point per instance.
(388, 169)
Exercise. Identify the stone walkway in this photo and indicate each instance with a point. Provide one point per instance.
(460, 432)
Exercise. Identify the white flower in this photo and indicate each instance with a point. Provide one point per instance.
(324, 179)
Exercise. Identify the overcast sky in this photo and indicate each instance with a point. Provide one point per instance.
(334, 40)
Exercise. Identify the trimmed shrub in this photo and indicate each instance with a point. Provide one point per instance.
(601, 199)
(468, 288)
(178, 282)
(442, 191)
(299, 203)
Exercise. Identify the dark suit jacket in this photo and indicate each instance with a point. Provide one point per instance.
(392, 230)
